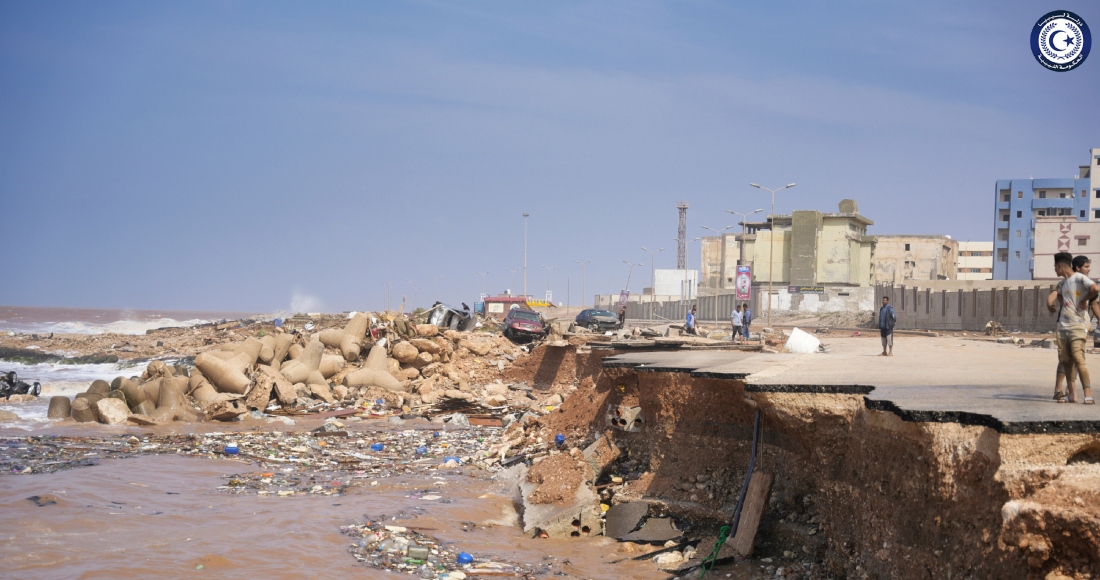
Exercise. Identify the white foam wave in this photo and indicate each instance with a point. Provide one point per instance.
(117, 327)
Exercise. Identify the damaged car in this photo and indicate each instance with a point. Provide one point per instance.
(598, 320)
(523, 324)
(11, 385)
(445, 316)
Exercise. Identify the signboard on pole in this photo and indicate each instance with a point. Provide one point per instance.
(623, 296)
(743, 283)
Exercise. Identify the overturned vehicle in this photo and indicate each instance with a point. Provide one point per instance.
(11, 385)
(445, 316)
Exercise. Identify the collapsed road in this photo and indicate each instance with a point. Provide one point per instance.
(947, 460)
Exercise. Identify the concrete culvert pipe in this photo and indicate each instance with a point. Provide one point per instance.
(83, 410)
(60, 407)
(226, 377)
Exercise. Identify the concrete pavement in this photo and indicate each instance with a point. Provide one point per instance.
(952, 379)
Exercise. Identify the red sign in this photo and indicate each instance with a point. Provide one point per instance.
(743, 283)
(622, 298)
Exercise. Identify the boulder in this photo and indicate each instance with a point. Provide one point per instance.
(142, 420)
(427, 330)
(340, 392)
(7, 416)
(322, 392)
(495, 400)
(425, 345)
(227, 410)
(285, 393)
(405, 352)
(480, 347)
(422, 360)
(112, 411)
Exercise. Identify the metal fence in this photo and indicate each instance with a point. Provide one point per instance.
(677, 310)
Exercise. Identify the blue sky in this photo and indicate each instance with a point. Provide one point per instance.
(233, 155)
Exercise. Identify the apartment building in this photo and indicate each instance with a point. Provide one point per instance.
(976, 261)
(1020, 202)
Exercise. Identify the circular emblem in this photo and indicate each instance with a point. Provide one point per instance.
(1061, 40)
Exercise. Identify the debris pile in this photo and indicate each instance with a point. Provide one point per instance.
(403, 550)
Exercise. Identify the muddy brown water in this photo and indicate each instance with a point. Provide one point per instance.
(161, 516)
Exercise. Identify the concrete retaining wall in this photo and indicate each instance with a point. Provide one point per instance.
(1020, 306)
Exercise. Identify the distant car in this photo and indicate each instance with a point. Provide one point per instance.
(522, 323)
(598, 320)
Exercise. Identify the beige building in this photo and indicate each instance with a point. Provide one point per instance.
(811, 248)
(1055, 234)
(975, 261)
(901, 257)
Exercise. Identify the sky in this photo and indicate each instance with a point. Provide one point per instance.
(258, 156)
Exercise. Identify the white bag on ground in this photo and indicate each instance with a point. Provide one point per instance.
(802, 342)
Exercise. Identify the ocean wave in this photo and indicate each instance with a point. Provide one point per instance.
(117, 327)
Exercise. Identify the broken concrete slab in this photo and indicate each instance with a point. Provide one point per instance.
(654, 530)
(622, 518)
(601, 454)
(112, 411)
(756, 499)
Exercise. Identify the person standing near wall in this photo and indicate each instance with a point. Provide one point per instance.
(746, 320)
(887, 318)
(1074, 292)
(689, 325)
(735, 321)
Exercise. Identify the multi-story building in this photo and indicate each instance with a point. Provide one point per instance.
(976, 260)
(922, 257)
(1020, 202)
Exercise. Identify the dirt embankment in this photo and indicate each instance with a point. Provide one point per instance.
(862, 491)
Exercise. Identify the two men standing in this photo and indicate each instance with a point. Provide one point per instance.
(740, 319)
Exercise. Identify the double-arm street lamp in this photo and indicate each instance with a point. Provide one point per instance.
(771, 242)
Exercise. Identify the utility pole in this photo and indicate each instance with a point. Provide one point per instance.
(513, 271)
(548, 268)
(411, 290)
(628, 273)
(525, 216)
(436, 288)
(771, 243)
(584, 268)
(652, 277)
(482, 274)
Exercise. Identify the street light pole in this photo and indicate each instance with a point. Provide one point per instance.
(436, 288)
(584, 268)
(513, 271)
(741, 248)
(525, 216)
(482, 282)
(771, 243)
(548, 268)
(628, 273)
(652, 277)
(411, 290)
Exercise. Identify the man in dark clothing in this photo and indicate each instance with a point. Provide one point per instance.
(887, 318)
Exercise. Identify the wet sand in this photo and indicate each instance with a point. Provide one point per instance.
(163, 516)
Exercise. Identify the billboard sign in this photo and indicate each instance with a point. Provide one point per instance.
(742, 283)
(623, 296)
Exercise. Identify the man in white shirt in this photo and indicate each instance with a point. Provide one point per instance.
(735, 319)
(1072, 295)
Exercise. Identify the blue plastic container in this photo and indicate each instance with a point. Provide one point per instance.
(231, 449)
(559, 439)
(377, 447)
(421, 450)
(464, 558)
(454, 458)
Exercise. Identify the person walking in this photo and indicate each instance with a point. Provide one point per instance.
(735, 320)
(746, 320)
(887, 318)
(1074, 293)
(689, 326)
(622, 316)
(1083, 265)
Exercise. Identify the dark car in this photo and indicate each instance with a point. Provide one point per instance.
(11, 385)
(522, 323)
(597, 320)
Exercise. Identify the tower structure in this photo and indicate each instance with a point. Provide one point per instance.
(681, 236)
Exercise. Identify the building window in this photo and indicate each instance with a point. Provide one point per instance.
(1019, 195)
(1004, 235)
(1017, 254)
(1084, 193)
(1098, 194)
(1004, 197)
(1080, 241)
(1042, 195)
(1019, 214)
(1002, 256)
(1096, 214)
(1017, 233)
(906, 247)
(1062, 195)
